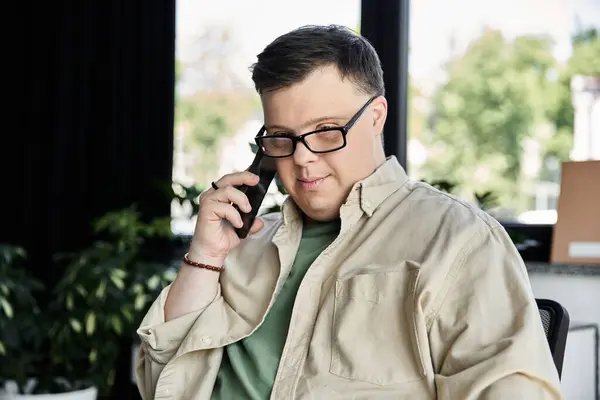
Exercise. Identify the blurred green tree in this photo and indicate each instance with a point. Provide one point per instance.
(499, 96)
(494, 97)
(217, 105)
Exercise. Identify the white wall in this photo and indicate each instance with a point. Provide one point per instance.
(580, 295)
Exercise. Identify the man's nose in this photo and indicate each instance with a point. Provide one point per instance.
(303, 155)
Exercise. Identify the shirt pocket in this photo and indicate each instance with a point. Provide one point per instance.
(374, 335)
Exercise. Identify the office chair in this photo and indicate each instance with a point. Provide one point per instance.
(555, 320)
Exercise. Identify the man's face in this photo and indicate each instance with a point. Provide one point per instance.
(320, 183)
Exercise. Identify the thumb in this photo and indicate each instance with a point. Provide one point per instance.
(257, 226)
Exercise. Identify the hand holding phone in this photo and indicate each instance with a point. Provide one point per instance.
(264, 167)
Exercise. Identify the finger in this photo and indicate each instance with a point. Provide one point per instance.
(238, 179)
(230, 194)
(257, 226)
(220, 211)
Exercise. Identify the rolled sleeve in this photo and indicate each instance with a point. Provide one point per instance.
(487, 340)
(161, 339)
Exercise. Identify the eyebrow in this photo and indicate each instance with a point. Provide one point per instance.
(308, 123)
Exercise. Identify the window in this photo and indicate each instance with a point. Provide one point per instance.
(500, 94)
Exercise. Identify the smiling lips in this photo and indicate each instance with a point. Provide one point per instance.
(310, 183)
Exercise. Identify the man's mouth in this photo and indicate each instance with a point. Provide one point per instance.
(311, 182)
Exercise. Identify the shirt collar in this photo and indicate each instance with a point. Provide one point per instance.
(380, 185)
(369, 193)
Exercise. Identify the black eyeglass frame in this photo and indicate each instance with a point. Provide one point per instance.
(302, 138)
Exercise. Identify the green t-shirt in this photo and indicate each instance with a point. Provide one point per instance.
(249, 366)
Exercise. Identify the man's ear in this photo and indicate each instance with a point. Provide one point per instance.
(380, 107)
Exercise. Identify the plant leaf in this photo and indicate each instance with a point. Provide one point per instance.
(76, 325)
(2, 349)
(153, 282)
(93, 355)
(116, 324)
(169, 275)
(90, 323)
(101, 290)
(111, 378)
(69, 301)
(140, 300)
(8, 310)
(127, 314)
(120, 273)
(81, 290)
(117, 281)
(138, 288)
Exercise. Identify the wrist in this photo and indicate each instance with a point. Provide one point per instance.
(188, 261)
(201, 257)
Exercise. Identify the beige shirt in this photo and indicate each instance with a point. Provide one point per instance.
(421, 296)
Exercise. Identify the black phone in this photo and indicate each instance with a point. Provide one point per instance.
(264, 167)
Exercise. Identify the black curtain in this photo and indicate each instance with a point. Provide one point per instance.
(97, 83)
(90, 125)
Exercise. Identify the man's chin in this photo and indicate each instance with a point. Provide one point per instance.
(319, 211)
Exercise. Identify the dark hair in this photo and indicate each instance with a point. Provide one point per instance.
(290, 58)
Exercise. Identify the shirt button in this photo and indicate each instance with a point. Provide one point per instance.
(206, 340)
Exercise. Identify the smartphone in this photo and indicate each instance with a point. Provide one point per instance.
(264, 167)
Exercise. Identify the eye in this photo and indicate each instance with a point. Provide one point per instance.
(281, 133)
(327, 126)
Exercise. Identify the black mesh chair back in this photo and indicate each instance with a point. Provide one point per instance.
(555, 320)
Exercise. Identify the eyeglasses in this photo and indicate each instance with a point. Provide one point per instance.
(323, 140)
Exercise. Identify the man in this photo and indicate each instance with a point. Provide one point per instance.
(366, 286)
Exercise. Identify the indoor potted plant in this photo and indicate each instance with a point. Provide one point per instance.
(23, 337)
(104, 293)
(99, 300)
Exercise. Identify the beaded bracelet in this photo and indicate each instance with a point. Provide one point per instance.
(201, 265)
